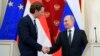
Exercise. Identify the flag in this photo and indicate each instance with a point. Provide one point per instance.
(43, 30)
(54, 10)
(72, 8)
(13, 14)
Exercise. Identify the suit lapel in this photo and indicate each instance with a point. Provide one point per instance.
(66, 37)
(29, 20)
(30, 23)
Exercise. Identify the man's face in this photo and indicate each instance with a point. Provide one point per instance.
(68, 22)
(39, 13)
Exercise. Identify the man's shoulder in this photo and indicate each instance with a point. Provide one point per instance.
(79, 31)
(63, 32)
(25, 19)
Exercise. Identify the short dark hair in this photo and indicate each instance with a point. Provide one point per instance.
(36, 6)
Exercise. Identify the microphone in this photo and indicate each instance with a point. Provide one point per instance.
(95, 35)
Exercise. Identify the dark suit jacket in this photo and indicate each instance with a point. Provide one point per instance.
(28, 45)
(75, 49)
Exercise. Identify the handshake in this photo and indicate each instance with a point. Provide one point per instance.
(45, 50)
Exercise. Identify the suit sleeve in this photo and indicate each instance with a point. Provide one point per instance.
(25, 36)
(84, 39)
(56, 46)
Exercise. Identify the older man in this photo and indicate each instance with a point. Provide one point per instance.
(71, 40)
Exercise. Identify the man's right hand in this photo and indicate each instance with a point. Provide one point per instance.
(45, 50)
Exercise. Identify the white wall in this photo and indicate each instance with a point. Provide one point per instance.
(3, 4)
(0, 12)
(92, 19)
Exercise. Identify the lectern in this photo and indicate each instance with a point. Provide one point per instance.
(92, 49)
(9, 48)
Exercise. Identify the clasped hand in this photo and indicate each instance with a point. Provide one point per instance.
(45, 50)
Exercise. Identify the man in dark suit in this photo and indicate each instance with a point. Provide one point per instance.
(72, 40)
(28, 31)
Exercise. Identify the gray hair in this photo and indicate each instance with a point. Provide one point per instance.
(71, 17)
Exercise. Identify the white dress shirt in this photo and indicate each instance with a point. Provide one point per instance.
(32, 18)
(72, 33)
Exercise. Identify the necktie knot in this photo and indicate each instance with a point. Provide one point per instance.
(34, 21)
(70, 30)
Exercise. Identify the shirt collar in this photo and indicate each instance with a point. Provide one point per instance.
(32, 17)
(72, 29)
